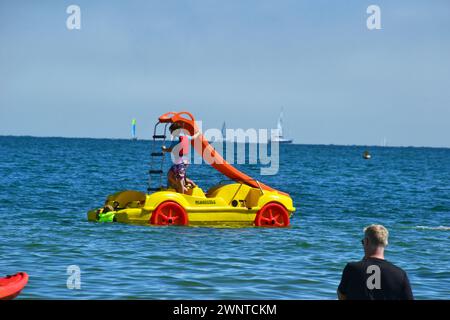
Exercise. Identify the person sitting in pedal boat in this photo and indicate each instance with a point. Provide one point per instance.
(176, 176)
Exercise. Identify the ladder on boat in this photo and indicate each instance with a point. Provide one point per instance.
(157, 169)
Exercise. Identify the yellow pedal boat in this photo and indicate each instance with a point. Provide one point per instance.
(243, 202)
(227, 204)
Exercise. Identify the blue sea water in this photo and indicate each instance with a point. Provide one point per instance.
(48, 184)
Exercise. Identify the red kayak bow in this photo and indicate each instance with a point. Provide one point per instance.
(10, 286)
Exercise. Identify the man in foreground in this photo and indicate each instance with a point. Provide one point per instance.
(374, 278)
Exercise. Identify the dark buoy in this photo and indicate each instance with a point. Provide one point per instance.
(366, 155)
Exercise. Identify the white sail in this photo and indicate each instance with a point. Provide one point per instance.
(224, 128)
(278, 134)
(280, 125)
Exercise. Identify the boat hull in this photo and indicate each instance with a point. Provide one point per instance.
(11, 286)
(283, 141)
(231, 204)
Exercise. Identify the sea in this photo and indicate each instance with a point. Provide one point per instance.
(47, 185)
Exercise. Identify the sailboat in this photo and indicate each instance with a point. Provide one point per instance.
(221, 138)
(224, 133)
(278, 136)
(133, 129)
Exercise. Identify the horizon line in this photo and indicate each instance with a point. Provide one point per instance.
(293, 143)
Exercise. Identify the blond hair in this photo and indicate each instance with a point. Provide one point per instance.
(377, 235)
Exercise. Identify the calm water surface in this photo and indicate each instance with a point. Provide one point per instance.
(48, 184)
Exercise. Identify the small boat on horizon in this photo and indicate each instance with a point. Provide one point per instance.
(224, 133)
(278, 136)
(133, 130)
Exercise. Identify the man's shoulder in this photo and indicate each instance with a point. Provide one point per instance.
(382, 263)
(393, 267)
(353, 265)
(370, 261)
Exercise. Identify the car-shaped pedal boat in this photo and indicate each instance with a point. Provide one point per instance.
(224, 204)
(245, 201)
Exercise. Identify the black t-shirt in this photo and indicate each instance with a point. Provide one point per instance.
(374, 279)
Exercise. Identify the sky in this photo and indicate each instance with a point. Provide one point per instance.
(234, 61)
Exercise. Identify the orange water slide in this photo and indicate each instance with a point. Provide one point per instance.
(208, 153)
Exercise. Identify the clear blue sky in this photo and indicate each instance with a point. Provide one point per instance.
(238, 61)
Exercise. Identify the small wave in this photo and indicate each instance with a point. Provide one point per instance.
(440, 208)
(441, 228)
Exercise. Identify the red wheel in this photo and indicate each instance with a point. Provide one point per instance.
(272, 215)
(169, 213)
